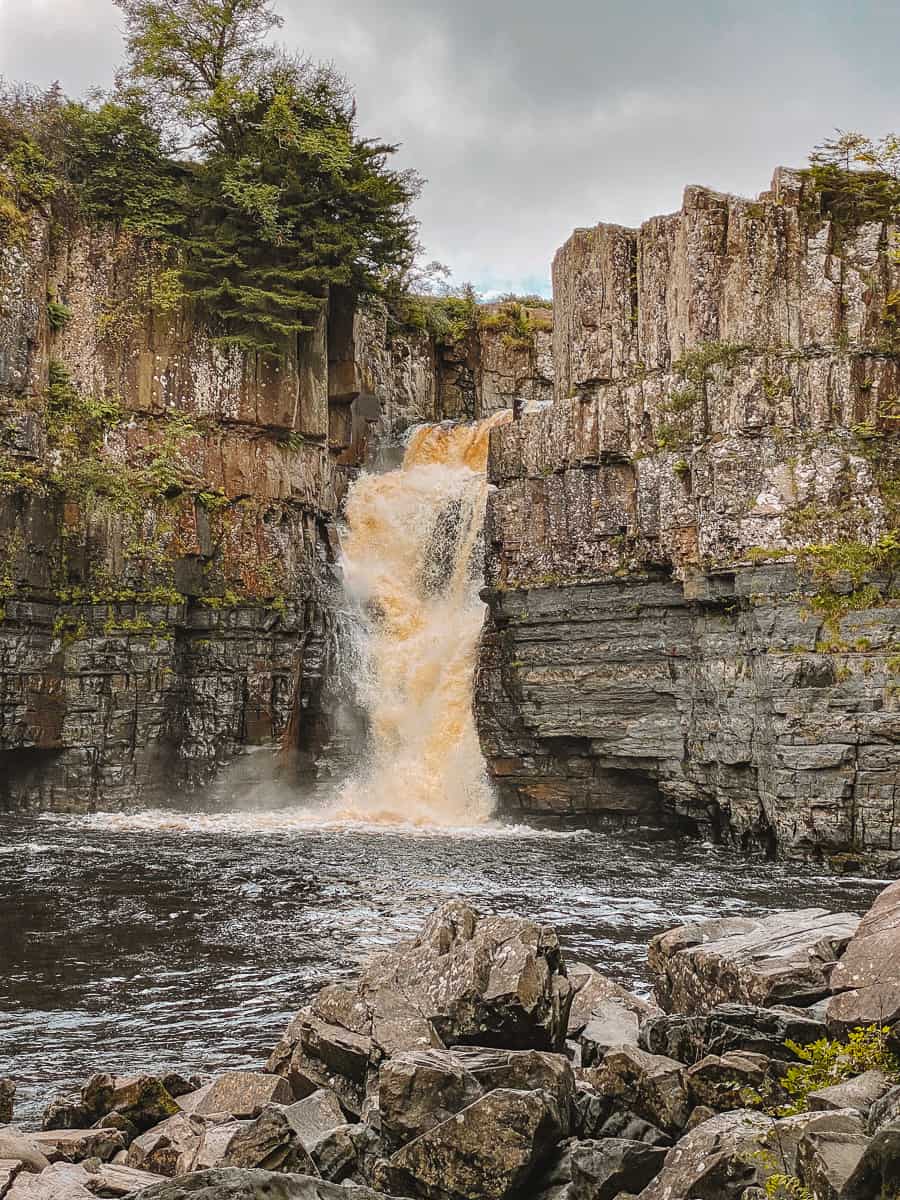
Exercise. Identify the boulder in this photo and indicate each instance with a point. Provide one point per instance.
(495, 981)
(142, 1100)
(170, 1148)
(486, 1152)
(73, 1145)
(591, 989)
(866, 981)
(650, 1085)
(730, 1027)
(271, 1142)
(215, 1143)
(244, 1094)
(315, 1054)
(417, 1091)
(7, 1100)
(594, 1120)
(601, 1170)
(877, 1174)
(17, 1146)
(610, 1024)
(715, 1161)
(115, 1179)
(234, 1184)
(61, 1181)
(826, 1161)
(784, 958)
(884, 1110)
(726, 1082)
(859, 1093)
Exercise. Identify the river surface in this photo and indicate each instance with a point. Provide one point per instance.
(162, 940)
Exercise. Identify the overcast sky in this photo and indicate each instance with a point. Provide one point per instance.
(531, 117)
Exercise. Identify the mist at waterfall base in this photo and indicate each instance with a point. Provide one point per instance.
(186, 940)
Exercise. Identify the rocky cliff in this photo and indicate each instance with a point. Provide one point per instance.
(167, 519)
(692, 554)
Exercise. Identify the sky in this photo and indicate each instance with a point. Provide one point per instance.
(529, 118)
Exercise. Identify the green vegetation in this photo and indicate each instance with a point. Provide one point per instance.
(245, 164)
(695, 369)
(451, 317)
(824, 1063)
(855, 179)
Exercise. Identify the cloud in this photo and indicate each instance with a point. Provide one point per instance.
(528, 119)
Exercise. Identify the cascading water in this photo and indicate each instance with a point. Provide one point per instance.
(412, 566)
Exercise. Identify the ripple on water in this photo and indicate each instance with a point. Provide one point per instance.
(149, 940)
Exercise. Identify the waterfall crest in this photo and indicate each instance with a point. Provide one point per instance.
(412, 565)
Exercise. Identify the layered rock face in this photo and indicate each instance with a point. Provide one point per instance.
(167, 512)
(690, 554)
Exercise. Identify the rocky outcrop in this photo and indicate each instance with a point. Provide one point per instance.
(451, 1088)
(692, 554)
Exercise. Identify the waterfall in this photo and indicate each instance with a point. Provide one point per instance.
(412, 566)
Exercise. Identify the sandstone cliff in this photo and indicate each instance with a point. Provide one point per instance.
(692, 554)
(167, 519)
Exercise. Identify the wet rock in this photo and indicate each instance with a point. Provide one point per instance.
(859, 1093)
(730, 1027)
(877, 1174)
(602, 1169)
(650, 1085)
(715, 1161)
(867, 978)
(494, 981)
(486, 1152)
(783, 958)
(7, 1100)
(417, 1091)
(243, 1094)
(73, 1145)
(827, 1160)
(723, 1083)
(234, 1184)
(272, 1142)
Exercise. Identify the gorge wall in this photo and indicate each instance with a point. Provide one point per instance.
(692, 555)
(167, 519)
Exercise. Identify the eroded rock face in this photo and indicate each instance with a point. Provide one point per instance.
(866, 981)
(785, 958)
(654, 647)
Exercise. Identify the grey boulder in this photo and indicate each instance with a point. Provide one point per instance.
(784, 958)
(866, 981)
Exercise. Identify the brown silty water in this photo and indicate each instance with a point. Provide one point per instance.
(412, 564)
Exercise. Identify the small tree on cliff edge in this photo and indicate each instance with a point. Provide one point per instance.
(285, 198)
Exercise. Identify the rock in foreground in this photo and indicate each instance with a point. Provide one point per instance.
(785, 958)
(233, 1184)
